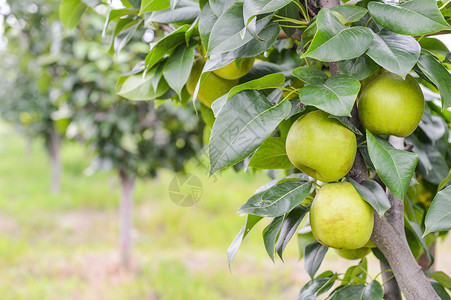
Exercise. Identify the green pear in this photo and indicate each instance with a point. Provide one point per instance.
(321, 147)
(353, 254)
(235, 70)
(391, 105)
(340, 218)
(212, 86)
(370, 244)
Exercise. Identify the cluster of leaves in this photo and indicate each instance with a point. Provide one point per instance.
(293, 41)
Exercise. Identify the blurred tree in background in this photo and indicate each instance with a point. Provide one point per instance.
(64, 86)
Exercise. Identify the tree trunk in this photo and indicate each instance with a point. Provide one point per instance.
(391, 287)
(54, 145)
(388, 233)
(125, 218)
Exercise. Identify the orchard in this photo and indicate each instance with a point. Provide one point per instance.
(344, 104)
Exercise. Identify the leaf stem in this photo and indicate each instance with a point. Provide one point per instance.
(389, 278)
(444, 5)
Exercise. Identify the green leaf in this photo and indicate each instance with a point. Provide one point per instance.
(359, 68)
(70, 12)
(336, 96)
(278, 200)
(153, 5)
(165, 46)
(253, 8)
(139, 88)
(317, 286)
(183, 12)
(348, 292)
(345, 121)
(441, 292)
(310, 76)
(416, 17)
(313, 257)
(305, 237)
(242, 124)
(441, 277)
(236, 243)
(115, 14)
(394, 167)
(444, 182)
(438, 216)
(178, 67)
(372, 193)
(206, 22)
(438, 74)
(350, 13)
(289, 227)
(332, 39)
(356, 274)
(270, 234)
(373, 291)
(265, 82)
(437, 47)
(394, 52)
(271, 155)
(416, 230)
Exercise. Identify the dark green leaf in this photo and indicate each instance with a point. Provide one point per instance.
(183, 11)
(271, 155)
(258, 7)
(438, 74)
(178, 67)
(153, 5)
(439, 290)
(350, 13)
(226, 34)
(242, 124)
(137, 88)
(394, 52)
(395, 167)
(332, 39)
(359, 68)
(438, 216)
(444, 182)
(441, 277)
(310, 76)
(345, 121)
(296, 176)
(313, 257)
(349, 292)
(417, 17)
(270, 234)
(435, 46)
(356, 274)
(336, 96)
(165, 46)
(278, 200)
(70, 12)
(206, 22)
(416, 230)
(373, 193)
(265, 82)
(289, 227)
(235, 245)
(373, 291)
(305, 237)
(317, 286)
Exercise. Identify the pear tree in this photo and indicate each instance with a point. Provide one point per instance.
(345, 104)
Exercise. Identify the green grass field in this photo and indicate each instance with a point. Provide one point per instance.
(65, 246)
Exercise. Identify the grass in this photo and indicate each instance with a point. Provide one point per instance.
(64, 246)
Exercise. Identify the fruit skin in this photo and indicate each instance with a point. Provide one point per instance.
(212, 86)
(352, 254)
(231, 70)
(391, 105)
(321, 146)
(340, 218)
